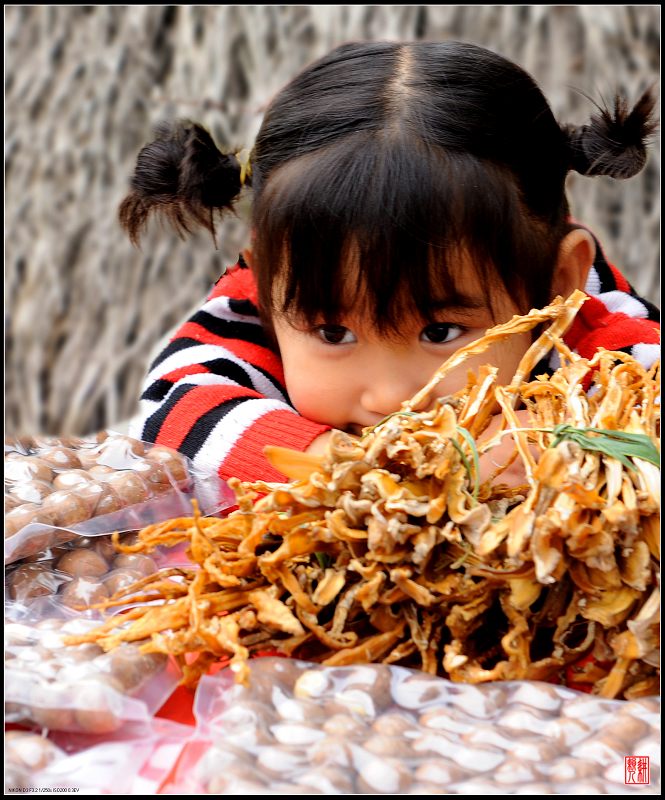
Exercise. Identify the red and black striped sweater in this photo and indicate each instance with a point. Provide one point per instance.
(216, 393)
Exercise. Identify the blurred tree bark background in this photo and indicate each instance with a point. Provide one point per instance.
(84, 86)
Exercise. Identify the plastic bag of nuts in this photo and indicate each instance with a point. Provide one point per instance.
(302, 728)
(59, 488)
(85, 571)
(78, 689)
(27, 754)
(134, 761)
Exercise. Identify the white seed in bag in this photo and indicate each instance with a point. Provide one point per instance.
(312, 683)
(383, 776)
(294, 734)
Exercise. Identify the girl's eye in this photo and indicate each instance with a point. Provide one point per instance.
(441, 332)
(335, 334)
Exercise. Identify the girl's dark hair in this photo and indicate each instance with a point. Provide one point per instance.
(398, 156)
(183, 176)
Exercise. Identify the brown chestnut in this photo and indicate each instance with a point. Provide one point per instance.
(32, 580)
(152, 473)
(82, 563)
(83, 592)
(135, 561)
(25, 514)
(67, 508)
(46, 714)
(170, 459)
(87, 455)
(60, 458)
(121, 579)
(103, 545)
(71, 478)
(90, 492)
(95, 712)
(11, 502)
(33, 491)
(132, 668)
(108, 502)
(100, 472)
(28, 468)
(129, 487)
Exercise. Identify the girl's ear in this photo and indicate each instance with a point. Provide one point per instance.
(577, 252)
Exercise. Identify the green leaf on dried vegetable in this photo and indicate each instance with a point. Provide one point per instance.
(468, 551)
(617, 444)
(324, 560)
(474, 475)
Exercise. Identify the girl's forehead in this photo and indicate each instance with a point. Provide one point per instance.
(456, 284)
(465, 301)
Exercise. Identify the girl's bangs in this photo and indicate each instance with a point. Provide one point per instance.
(385, 228)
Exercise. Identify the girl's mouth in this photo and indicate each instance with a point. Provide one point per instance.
(354, 429)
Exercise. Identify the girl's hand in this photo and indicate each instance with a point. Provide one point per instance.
(515, 475)
(319, 445)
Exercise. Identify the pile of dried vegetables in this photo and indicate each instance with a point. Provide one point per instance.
(388, 549)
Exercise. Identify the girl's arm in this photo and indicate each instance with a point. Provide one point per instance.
(216, 392)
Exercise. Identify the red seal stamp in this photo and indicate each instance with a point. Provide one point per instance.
(636, 770)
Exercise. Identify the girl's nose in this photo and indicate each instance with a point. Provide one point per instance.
(385, 394)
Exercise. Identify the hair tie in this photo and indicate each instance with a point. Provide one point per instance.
(243, 157)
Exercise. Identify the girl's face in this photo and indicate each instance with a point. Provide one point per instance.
(348, 376)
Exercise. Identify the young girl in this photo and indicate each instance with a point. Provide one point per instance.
(406, 197)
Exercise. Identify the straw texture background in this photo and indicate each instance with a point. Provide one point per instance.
(84, 86)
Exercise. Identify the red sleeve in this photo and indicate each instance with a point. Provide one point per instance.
(238, 283)
(216, 392)
(614, 317)
(595, 326)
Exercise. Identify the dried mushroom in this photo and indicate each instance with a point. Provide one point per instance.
(388, 549)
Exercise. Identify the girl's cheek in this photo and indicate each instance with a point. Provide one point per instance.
(505, 359)
(318, 393)
(504, 356)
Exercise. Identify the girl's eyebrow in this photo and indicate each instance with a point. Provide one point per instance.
(459, 302)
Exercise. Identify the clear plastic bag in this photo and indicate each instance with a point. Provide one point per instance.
(26, 755)
(57, 489)
(134, 762)
(79, 689)
(85, 571)
(304, 728)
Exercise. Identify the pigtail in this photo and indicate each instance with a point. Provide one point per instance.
(614, 143)
(183, 177)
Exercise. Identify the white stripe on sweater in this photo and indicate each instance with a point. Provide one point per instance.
(592, 282)
(137, 423)
(646, 354)
(199, 354)
(239, 419)
(230, 430)
(148, 407)
(624, 303)
(219, 307)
